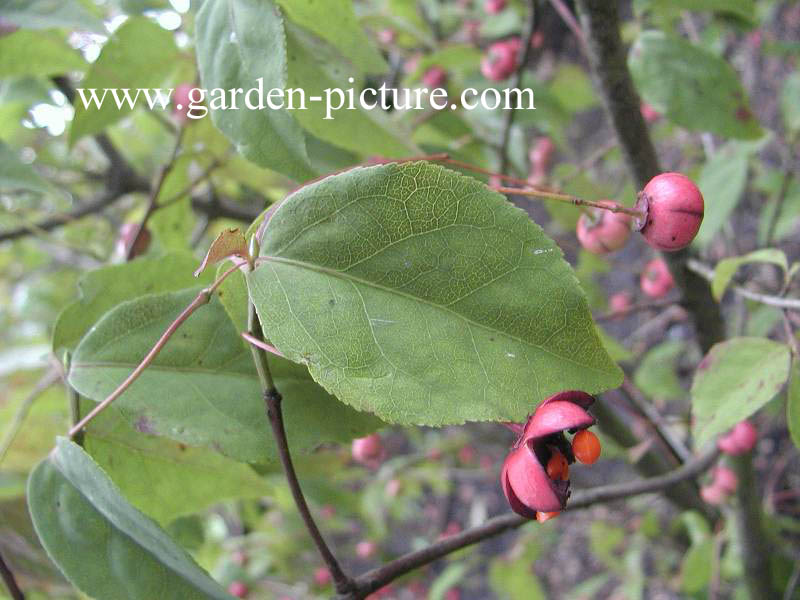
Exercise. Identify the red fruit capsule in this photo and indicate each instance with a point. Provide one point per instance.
(672, 208)
(586, 447)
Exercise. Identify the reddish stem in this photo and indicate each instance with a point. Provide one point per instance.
(202, 298)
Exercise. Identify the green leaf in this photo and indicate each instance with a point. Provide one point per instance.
(696, 566)
(692, 87)
(104, 546)
(722, 183)
(37, 53)
(49, 14)
(233, 296)
(745, 9)
(140, 55)
(790, 107)
(104, 288)
(24, 552)
(420, 295)
(335, 21)
(239, 42)
(313, 67)
(202, 389)
(734, 380)
(166, 479)
(727, 267)
(793, 403)
(15, 175)
(656, 374)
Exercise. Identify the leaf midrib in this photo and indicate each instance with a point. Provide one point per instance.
(357, 280)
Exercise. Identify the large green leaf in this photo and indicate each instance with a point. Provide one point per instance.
(104, 546)
(691, 86)
(335, 21)
(239, 42)
(420, 295)
(37, 53)
(314, 68)
(49, 14)
(166, 479)
(102, 289)
(140, 55)
(202, 389)
(734, 380)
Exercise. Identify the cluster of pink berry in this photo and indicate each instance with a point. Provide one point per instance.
(739, 440)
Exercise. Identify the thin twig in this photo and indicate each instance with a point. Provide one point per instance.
(532, 24)
(11, 583)
(105, 200)
(203, 297)
(707, 272)
(569, 20)
(377, 578)
(152, 203)
(794, 580)
(568, 199)
(48, 379)
(643, 405)
(261, 344)
(272, 398)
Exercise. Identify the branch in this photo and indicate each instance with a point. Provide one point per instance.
(533, 23)
(377, 578)
(272, 398)
(109, 197)
(120, 173)
(607, 57)
(203, 297)
(755, 553)
(707, 273)
(11, 583)
(120, 179)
